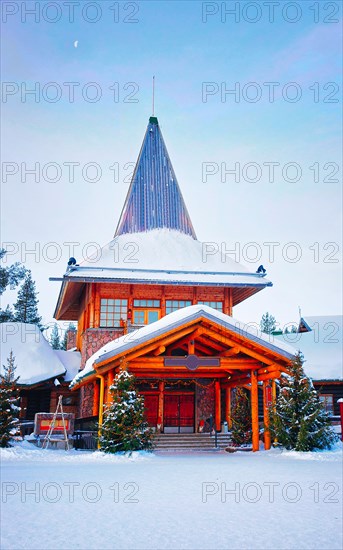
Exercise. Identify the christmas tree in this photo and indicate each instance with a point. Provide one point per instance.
(25, 308)
(124, 426)
(298, 419)
(9, 396)
(55, 341)
(241, 418)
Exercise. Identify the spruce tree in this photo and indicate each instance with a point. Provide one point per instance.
(55, 341)
(25, 308)
(6, 315)
(298, 419)
(241, 418)
(124, 427)
(267, 323)
(10, 275)
(9, 397)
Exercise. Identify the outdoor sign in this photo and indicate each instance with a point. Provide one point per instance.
(43, 421)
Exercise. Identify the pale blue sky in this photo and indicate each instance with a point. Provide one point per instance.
(171, 41)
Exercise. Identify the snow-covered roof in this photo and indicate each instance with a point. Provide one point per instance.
(174, 320)
(35, 359)
(71, 361)
(321, 346)
(164, 255)
(154, 199)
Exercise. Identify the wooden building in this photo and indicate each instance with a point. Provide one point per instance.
(320, 338)
(159, 302)
(44, 373)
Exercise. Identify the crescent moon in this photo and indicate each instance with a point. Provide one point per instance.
(76, 43)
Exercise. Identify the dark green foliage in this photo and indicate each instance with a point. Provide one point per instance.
(267, 323)
(25, 308)
(55, 341)
(10, 275)
(9, 397)
(124, 426)
(299, 420)
(241, 418)
(6, 315)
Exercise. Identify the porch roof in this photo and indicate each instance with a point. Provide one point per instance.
(128, 343)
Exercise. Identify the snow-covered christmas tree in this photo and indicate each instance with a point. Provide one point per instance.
(298, 419)
(241, 418)
(9, 397)
(124, 426)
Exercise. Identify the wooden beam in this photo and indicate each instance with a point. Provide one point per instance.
(218, 407)
(160, 405)
(96, 392)
(242, 347)
(228, 407)
(254, 412)
(266, 405)
(231, 352)
(159, 350)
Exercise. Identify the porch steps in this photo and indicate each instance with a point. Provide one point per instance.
(190, 442)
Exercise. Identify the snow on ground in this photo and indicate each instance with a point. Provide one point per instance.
(174, 501)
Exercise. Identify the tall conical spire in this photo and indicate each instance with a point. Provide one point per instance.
(154, 199)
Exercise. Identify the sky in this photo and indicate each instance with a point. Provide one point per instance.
(91, 66)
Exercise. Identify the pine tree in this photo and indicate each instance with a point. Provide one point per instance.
(241, 418)
(9, 396)
(55, 341)
(6, 315)
(25, 308)
(10, 275)
(124, 426)
(298, 419)
(267, 323)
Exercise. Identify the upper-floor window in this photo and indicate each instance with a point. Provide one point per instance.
(112, 312)
(327, 400)
(146, 311)
(216, 305)
(173, 305)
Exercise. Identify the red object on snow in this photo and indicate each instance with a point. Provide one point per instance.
(340, 401)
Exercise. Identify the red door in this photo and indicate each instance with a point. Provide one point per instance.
(178, 413)
(151, 409)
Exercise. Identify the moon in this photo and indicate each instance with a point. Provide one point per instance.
(76, 43)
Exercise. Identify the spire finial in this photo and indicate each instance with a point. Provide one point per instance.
(153, 96)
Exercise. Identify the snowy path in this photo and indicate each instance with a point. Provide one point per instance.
(170, 501)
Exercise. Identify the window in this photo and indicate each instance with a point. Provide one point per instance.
(174, 305)
(146, 311)
(146, 303)
(327, 401)
(216, 305)
(111, 311)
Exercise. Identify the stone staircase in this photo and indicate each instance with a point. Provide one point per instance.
(194, 442)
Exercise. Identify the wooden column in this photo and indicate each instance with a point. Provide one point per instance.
(160, 404)
(228, 407)
(110, 378)
(274, 400)
(96, 306)
(266, 405)
(96, 389)
(254, 412)
(101, 405)
(218, 419)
